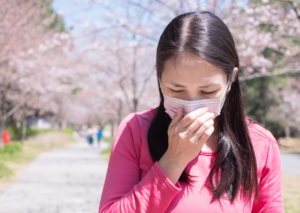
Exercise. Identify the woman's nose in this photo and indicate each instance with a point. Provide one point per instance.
(193, 97)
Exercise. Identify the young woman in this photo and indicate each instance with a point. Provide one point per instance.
(197, 151)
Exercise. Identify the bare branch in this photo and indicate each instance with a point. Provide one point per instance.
(294, 8)
(269, 74)
(13, 110)
(145, 82)
(177, 11)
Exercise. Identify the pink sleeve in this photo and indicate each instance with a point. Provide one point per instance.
(123, 190)
(270, 198)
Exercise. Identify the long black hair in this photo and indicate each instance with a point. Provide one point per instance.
(206, 36)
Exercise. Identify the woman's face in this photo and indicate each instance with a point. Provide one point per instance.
(191, 78)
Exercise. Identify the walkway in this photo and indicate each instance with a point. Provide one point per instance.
(290, 163)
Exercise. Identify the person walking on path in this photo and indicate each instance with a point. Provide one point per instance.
(90, 135)
(197, 151)
(99, 135)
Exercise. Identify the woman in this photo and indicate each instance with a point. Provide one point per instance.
(197, 151)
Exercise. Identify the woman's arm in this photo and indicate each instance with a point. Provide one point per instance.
(123, 190)
(270, 198)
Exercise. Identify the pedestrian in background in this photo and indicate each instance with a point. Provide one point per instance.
(90, 134)
(99, 135)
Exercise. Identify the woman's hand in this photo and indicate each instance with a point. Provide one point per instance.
(187, 136)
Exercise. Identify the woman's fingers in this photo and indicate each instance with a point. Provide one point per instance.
(189, 118)
(202, 130)
(198, 122)
(202, 139)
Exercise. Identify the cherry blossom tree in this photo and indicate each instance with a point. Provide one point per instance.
(28, 49)
(267, 38)
(110, 72)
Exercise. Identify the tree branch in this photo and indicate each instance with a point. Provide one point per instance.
(268, 74)
(173, 9)
(294, 8)
(13, 110)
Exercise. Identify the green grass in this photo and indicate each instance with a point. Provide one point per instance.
(10, 152)
(14, 157)
(292, 145)
(291, 193)
(15, 133)
(106, 153)
(107, 128)
(5, 172)
(68, 131)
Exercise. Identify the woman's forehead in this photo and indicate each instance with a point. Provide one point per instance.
(187, 68)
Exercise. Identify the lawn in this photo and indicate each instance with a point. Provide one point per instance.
(16, 156)
(291, 193)
(291, 145)
(106, 153)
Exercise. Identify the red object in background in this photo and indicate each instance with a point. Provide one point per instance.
(5, 137)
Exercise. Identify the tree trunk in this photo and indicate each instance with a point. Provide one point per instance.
(287, 132)
(112, 128)
(24, 123)
(120, 111)
(134, 81)
(2, 116)
(2, 128)
(62, 125)
(135, 104)
(263, 103)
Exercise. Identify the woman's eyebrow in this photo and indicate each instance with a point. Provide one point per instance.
(179, 85)
(175, 84)
(209, 85)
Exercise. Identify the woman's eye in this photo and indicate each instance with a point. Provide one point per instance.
(207, 93)
(176, 91)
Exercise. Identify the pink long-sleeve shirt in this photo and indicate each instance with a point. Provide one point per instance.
(134, 183)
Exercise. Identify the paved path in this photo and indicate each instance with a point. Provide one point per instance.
(68, 180)
(290, 163)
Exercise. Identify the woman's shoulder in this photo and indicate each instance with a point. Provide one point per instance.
(146, 115)
(141, 119)
(129, 135)
(258, 132)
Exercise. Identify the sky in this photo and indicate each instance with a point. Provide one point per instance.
(78, 14)
(81, 14)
